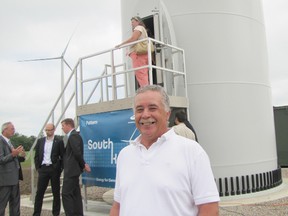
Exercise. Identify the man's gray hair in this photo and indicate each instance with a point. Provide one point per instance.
(5, 125)
(157, 88)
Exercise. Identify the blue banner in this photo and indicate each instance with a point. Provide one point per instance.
(104, 135)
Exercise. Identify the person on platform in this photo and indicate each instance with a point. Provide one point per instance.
(160, 172)
(74, 165)
(10, 171)
(48, 160)
(138, 60)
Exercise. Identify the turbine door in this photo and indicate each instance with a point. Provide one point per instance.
(157, 74)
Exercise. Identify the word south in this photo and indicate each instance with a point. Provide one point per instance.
(105, 144)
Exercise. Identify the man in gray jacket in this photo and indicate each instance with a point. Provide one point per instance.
(10, 171)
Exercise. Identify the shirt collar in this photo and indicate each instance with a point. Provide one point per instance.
(160, 140)
(68, 134)
(51, 138)
(5, 138)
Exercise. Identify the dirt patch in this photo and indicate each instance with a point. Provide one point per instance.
(25, 185)
(93, 192)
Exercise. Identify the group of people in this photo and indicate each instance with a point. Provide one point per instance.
(159, 173)
(162, 172)
(52, 154)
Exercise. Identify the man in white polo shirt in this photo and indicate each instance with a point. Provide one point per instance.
(162, 173)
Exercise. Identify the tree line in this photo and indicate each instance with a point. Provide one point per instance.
(26, 142)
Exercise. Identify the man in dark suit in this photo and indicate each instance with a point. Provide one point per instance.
(48, 159)
(10, 171)
(74, 165)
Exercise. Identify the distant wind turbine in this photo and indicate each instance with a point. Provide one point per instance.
(63, 62)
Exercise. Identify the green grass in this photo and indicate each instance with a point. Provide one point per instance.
(27, 163)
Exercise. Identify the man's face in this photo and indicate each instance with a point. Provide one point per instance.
(49, 130)
(150, 116)
(9, 131)
(65, 127)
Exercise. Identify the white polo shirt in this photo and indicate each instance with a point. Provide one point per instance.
(170, 178)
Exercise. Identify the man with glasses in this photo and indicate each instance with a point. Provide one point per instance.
(48, 163)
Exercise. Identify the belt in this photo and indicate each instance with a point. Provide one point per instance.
(46, 165)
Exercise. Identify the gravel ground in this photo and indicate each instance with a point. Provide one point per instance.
(273, 208)
(93, 193)
(277, 207)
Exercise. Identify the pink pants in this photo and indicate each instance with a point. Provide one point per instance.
(141, 74)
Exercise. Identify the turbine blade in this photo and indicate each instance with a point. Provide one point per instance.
(69, 40)
(40, 59)
(67, 44)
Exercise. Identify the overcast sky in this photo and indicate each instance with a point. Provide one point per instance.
(40, 29)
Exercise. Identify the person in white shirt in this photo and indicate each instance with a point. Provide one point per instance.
(162, 173)
(48, 163)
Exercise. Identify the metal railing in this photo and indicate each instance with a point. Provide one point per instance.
(110, 80)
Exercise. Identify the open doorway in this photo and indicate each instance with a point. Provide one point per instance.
(151, 23)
